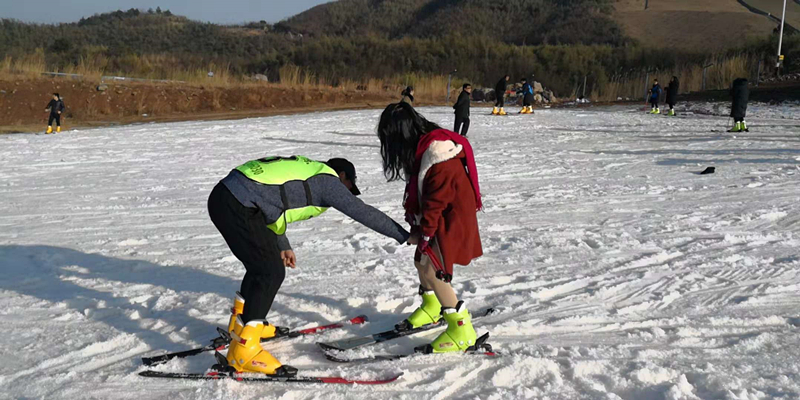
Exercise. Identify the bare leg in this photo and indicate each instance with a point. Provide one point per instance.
(427, 278)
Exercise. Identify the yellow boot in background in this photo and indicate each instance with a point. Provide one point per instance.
(58, 129)
(236, 310)
(49, 129)
(246, 354)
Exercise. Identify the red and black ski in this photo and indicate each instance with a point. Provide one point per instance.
(222, 341)
(252, 377)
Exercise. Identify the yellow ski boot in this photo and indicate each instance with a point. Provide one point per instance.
(49, 130)
(502, 111)
(495, 111)
(245, 353)
(58, 129)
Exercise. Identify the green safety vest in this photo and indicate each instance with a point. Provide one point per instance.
(279, 170)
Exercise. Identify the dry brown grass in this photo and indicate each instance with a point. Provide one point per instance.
(718, 76)
(691, 24)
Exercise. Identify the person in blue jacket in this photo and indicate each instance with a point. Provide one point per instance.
(527, 97)
(655, 94)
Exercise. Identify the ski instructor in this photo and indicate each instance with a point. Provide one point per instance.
(251, 208)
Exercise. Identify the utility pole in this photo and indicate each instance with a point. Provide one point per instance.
(780, 41)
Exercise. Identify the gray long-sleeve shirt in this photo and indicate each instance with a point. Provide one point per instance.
(326, 191)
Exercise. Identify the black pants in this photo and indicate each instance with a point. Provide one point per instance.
(54, 116)
(527, 100)
(653, 104)
(462, 125)
(245, 230)
(501, 101)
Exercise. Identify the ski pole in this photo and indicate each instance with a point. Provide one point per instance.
(441, 274)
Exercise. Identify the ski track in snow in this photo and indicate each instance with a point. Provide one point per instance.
(618, 271)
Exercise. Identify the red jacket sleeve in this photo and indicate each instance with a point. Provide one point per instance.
(437, 194)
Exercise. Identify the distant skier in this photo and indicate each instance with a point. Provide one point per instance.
(672, 95)
(740, 94)
(500, 93)
(408, 95)
(655, 95)
(441, 202)
(527, 97)
(55, 107)
(462, 110)
(251, 208)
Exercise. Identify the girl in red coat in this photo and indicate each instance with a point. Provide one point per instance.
(441, 201)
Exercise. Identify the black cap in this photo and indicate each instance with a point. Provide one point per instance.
(342, 165)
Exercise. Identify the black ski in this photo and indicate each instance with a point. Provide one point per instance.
(222, 341)
(255, 377)
(352, 343)
(481, 348)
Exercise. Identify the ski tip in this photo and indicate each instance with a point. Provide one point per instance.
(359, 320)
(361, 382)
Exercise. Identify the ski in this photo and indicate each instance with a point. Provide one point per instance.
(481, 348)
(222, 341)
(254, 377)
(355, 342)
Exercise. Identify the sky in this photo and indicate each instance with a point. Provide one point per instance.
(219, 11)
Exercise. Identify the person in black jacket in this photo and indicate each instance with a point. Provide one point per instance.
(500, 93)
(672, 95)
(462, 110)
(55, 107)
(740, 94)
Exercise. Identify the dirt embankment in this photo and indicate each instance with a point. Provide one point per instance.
(23, 102)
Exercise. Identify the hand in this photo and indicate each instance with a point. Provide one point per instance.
(413, 239)
(289, 259)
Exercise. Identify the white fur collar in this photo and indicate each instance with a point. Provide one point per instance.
(438, 151)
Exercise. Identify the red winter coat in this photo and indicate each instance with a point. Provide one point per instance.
(448, 207)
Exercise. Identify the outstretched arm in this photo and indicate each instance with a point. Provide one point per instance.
(337, 196)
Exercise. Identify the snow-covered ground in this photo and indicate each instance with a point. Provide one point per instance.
(619, 271)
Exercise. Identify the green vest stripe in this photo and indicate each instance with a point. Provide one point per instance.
(279, 170)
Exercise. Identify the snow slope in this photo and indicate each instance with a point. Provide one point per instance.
(619, 271)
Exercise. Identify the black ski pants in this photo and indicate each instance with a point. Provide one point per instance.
(54, 116)
(245, 230)
(501, 101)
(462, 125)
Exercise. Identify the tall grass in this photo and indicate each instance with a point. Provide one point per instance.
(719, 75)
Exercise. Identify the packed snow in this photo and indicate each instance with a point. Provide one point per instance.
(619, 271)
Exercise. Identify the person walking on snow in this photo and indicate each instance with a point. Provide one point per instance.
(55, 107)
(655, 94)
(442, 198)
(527, 97)
(740, 95)
(500, 93)
(462, 110)
(672, 95)
(251, 208)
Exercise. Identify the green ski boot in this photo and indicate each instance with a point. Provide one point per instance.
(459, 336)
(736, 128)
(429, 312)
(671, 113)
(744, 126)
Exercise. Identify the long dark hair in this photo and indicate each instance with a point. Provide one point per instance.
(399, 131)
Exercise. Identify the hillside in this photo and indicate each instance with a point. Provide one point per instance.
(709, 25)
(511, 21)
